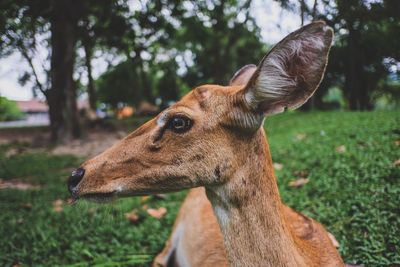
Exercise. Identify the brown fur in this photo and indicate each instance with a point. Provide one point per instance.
(226, 152)
(203, 232)
(201, 237)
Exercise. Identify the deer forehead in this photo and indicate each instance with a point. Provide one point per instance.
(207, 101)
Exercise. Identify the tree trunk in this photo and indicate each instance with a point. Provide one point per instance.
(218, 69)
(91, 90)
(62, 95)
(302, 11)
(355, 78)
(314, 10)
(147, 93)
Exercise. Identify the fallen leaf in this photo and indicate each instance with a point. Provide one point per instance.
(144, 199)
(145, 207)
(16, 184)
(92, 211)
(302, 173)
(333, 239)
(11, 152)
(362, 143)
(15, 151)
(341, 149)
(58, 202)
(299, 182)
(396, 163)
(132, 216)
(397, 142)
(27, 206)
(157, 213)
(58, 209)
(58, 205)
(300, 136)
(278, 166)
(72, 201)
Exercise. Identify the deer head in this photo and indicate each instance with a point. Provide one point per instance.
(202, 139)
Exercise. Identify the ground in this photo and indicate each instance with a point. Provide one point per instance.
(339, 168)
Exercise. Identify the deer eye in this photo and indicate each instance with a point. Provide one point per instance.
(180, 124)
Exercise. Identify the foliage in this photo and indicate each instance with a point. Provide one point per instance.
(9, 110)
(118, 85)
(160, 49)
(212, 41)
(222, 36)
(57, 26)
(354, 193)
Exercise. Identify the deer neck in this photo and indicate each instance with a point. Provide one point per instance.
(249, 212)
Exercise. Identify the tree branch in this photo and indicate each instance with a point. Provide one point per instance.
(29, 60)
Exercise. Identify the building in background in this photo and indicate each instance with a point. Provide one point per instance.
(36, 112)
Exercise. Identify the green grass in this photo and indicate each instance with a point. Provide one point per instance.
(355, 194)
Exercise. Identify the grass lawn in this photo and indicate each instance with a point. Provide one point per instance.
(353, 189)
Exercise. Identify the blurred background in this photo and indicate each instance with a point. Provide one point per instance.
(77, 76)
(66, 61)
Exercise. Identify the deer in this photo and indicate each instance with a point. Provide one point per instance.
(213, 142)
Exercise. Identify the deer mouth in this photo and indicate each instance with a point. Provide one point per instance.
(106, 197)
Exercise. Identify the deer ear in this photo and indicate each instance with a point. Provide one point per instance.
(243, 75)
(291, 72)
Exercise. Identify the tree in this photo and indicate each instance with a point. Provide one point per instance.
(102, 25)
(119, 85)
(62, 96)
(222, 37)
(181, 45)
(24, 21)
(70, 23)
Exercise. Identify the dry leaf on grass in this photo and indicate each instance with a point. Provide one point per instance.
(341, 149)
(72, 201)
(396, 163)
(27, 206)
(144, 199)
(157, 213)
(15, 151)
(16, 184)
(58, 209)
(302, 173)
(278, 166)
(300, 136)
(11, 152)
(397, 142)
(58, 205)
(132, 216)
(299, 182)
(92, 211)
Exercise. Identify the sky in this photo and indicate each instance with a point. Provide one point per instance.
(274, 22)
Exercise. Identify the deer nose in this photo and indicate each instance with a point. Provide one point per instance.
(74, 179)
